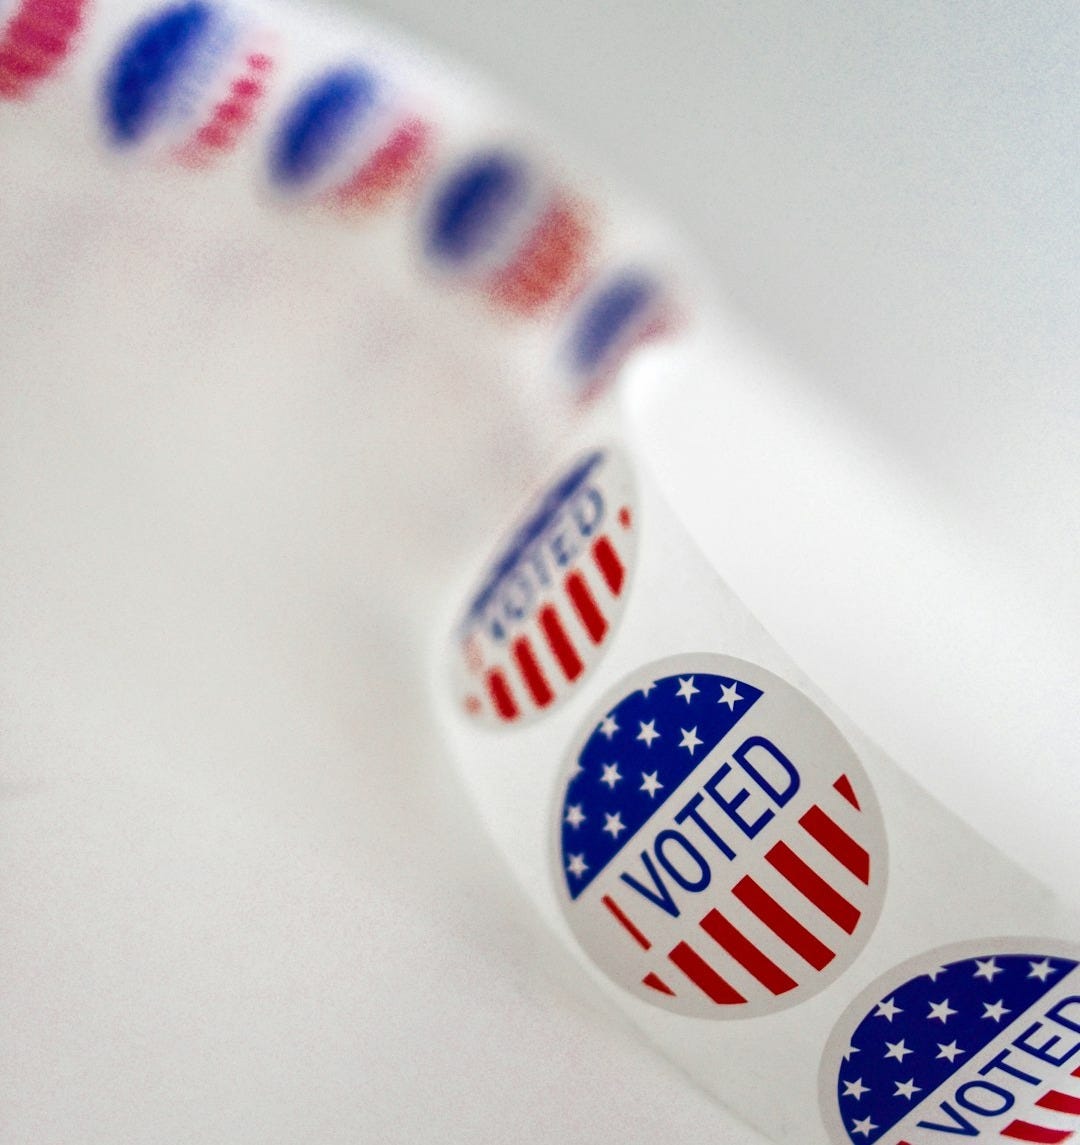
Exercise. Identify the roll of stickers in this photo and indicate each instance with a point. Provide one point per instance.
(745, 874)
(775, 904)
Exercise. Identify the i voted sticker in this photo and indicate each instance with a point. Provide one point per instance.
(978, 1041)
(547, 606)
(187, 81)
(720, 851)
(349, 140)
(496, 220)
(609, 321)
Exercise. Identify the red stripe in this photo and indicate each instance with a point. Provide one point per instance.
(782, 924)
(501, 696)
(40, 38)
(837, 842)
(549, 259)
(36, 40)
(531, 672)
(388, 169)
(559, 642)
(621, 918)
(746, 953)
(843, 785)
(813, 887)
(227, 119)
(585, 606)
(703, 976)
(1025, 1131)
(611, 568)
(1059, 1102)
(657, 983)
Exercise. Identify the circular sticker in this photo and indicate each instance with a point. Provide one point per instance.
(550, 600)
(348, 139)
(188, 81)
(610, 320)
(720, 849)
(496, 220)
(978, 1040)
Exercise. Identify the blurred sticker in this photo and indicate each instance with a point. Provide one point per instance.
(609, 321)
(720, 850)
(348, 140)
(187, 82)
(550, 601)
(977, 1041)
(496, 220)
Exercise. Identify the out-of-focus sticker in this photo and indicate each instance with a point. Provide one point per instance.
(348, 140)
(611, 318)
(187, 82)
(35, 38)
(550, 601)
(497, 221)
(977, 1041)
(719, 849)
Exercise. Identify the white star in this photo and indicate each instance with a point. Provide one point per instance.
(865, 1127)
(648, 732)
(729, 695)
(608, 727)
(575, 816)
(611, 775)
(647, 689)
(690, 740)
(849, 1051)
(950, 1052)
(934, 974)
(996, 1012)
(987, 968)
(650, 783)
(687, 689)
(897, 1050)
(577, 866)
(907, 1089)
(941, 1010)
(1041, 970)
(887, 1009)
(613, 824)
(854, 1088)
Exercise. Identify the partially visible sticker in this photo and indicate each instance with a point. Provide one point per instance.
(36, 37)
(719, 849)
(495, 219)
(608, 322)
(546, 609)
(187, 82)
(349, 139)
(980, 1040)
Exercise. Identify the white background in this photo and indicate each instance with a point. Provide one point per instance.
(242, 899)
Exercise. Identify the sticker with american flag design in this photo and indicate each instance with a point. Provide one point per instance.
(549, 603)
(720, 850)
(187, 83)
(977, 1041)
